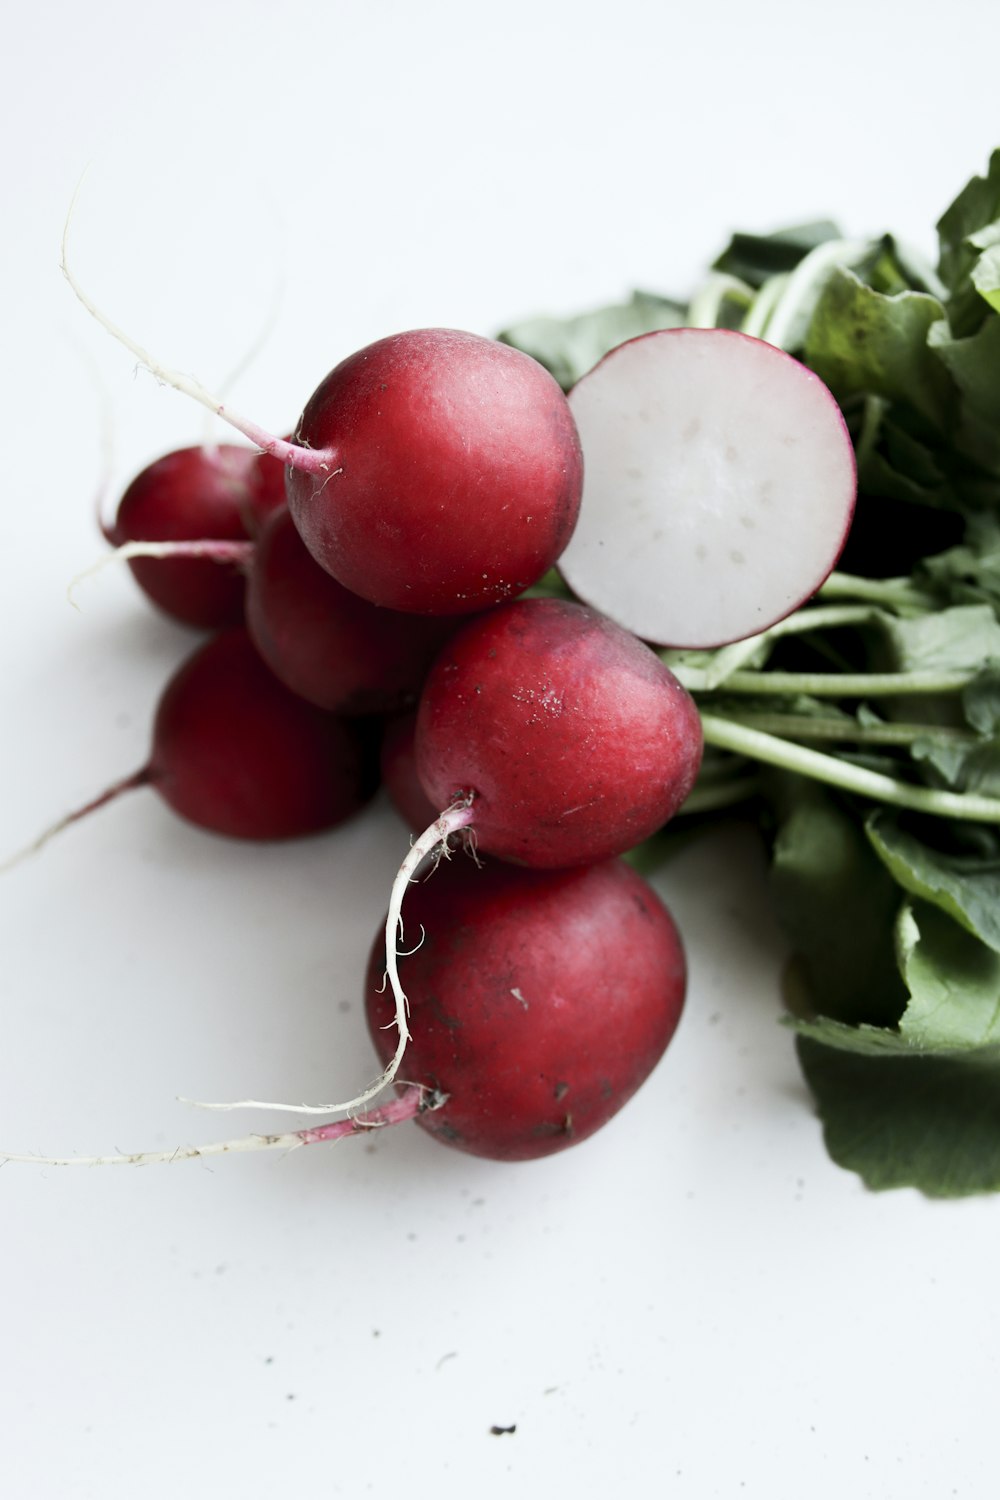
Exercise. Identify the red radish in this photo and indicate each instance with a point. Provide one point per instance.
(398, 765)
(434, 472)
(719, 490)
(327, 644)
(235, 752)
(211, 494)
(453, 476)
(540, 1001)
(568, 738)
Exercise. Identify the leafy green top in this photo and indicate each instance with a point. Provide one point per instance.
(866, 727)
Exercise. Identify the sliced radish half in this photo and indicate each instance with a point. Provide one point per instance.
(719, 486)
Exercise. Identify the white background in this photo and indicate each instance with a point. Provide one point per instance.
(696, 1301)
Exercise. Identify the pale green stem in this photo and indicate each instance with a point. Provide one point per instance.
(706, 304)
(760, 309)
(850, 778)
(888, 592)
(829, 684)
(807, 727)
(792, 310)
(722, 664)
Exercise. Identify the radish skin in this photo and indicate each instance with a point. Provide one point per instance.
(572, 741)
(540, 1000)
(433, 472)
(326, 643)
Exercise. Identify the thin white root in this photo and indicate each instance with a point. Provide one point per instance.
(289, 1142)
(220, 551)
(289, 453)
(435, 838)
(107, 434)
(415, 1099)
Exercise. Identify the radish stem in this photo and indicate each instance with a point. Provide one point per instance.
(729, 735)
(815, 727)
(828, 684)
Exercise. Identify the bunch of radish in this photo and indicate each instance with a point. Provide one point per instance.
(368, 577)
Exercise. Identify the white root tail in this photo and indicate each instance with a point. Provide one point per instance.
(433, 839)
(216, 550)
(415, 1099)
(312, 462)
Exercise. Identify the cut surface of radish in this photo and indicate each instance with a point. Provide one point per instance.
(719, 486)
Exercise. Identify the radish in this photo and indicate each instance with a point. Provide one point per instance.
(719, 490)
(434, 472)
(327, 644)
(236, 753)
(217, 497)
(451, 476)
(540, 1001)
(555, 738)
(566, 738)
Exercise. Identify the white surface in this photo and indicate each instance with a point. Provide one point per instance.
(696, 1301)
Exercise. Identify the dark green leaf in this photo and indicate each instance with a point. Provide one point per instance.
(755, 257)
(974, 366)
(954, 984)
(954, 995)
(862, 342)
(964, 886)
(981, 701)
(975, 209)
(569, 347)
(836, 902)
(931, 1123)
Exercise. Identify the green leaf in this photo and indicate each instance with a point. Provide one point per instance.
(959, 639)
(981, 701)
(961, 239)
(986, 276)
(931, 1123)
(973, 364)
(954, 987)
(971, 570)
(954, 984)
(863, 342)
(967, 887)
(836, 903)
(755, 257)
(569, 347)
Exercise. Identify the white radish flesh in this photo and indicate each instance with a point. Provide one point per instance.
(719, 486)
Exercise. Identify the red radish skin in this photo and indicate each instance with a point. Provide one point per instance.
(398, 765)
(266, 494)
(453, 472)
(540, 1001)
(190, 495)
(571, 739)
(236, 753)
(434, 472)
(327, 644)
